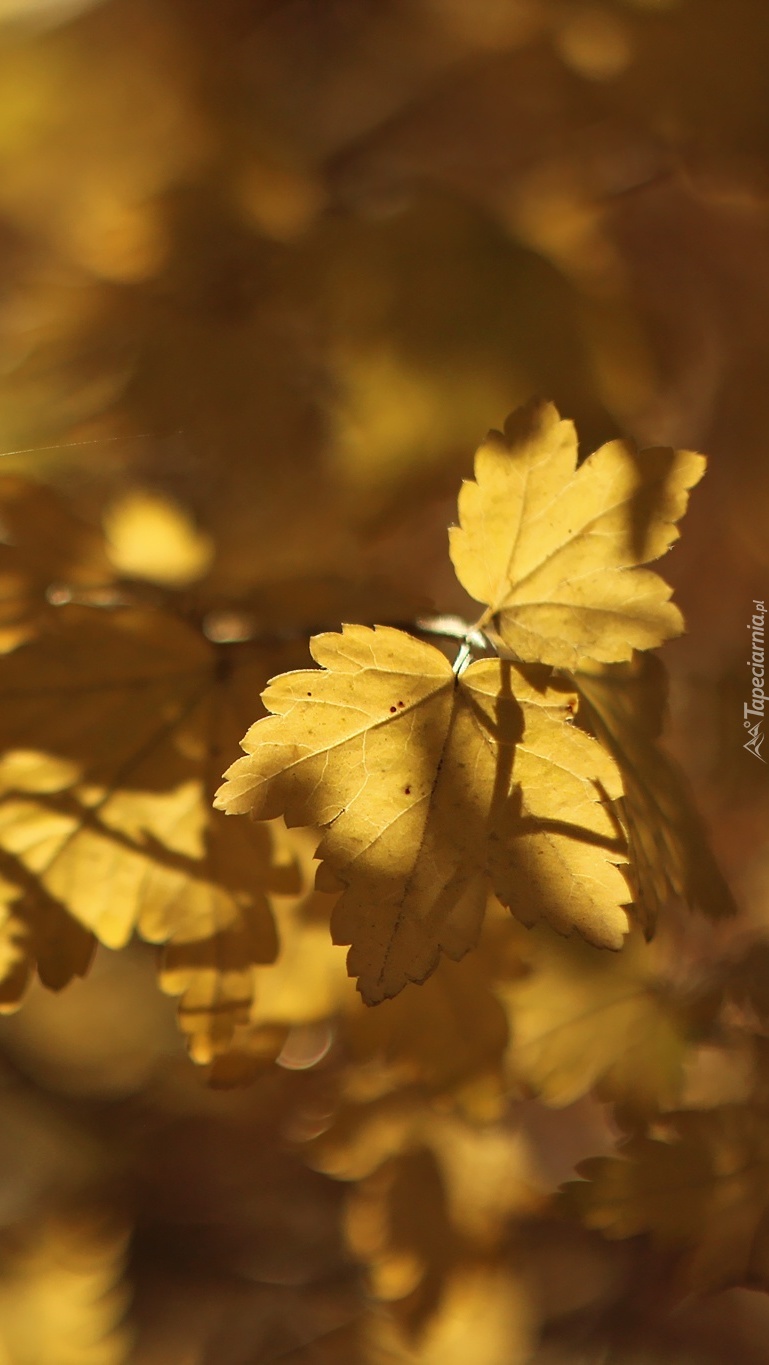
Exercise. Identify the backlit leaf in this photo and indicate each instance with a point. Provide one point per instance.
(553, 551)
(432, 790)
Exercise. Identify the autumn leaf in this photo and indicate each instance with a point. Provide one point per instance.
(553, 551)
(700, 1188)
(623, 705)
(37, 933)
(426, 1187)
(431, 790)
(583, 1018)
(44, 547)
(486, 1315)
(151, 536)
(113, 730)
(62, 1295)
(449, 1037)
(300, 998)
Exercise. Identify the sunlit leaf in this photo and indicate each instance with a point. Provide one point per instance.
(553, 552)
(431, 790)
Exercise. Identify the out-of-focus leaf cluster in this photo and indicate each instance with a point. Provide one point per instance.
(269, 270)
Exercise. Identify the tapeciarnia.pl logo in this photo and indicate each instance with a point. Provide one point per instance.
(755, 707)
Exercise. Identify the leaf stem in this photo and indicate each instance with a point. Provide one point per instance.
(464, 655)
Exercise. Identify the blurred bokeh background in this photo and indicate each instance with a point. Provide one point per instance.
(269, 269)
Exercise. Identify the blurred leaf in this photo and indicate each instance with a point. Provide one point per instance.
(700, 1189)
(449, 1036)
(43, 546)
(624, 705)
(116, 729)
(428, 1186)
(583, 1018)
(37, 933)
(299, 997)
(486, 1316)
(398, 1224)
(62, 1299)
(149, 536)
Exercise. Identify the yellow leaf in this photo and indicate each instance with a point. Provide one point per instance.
(486, 1316)
(425, 1186)
(583, 1018)
(431, 789)
(62, 1299)
(151, 536)
(624, 705)
(298, 998)
(36, 931)
(448, 1037)
(553, 551)
(113, 731)
(44, 547)
(702, 1188)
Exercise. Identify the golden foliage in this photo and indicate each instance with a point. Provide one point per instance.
(623, 704)
(553, 552)
(582, 1018)
(431, 1189)
(104, 806)
(699, 1188)
(43, 546)
(268, 270)
(62, 1297)
(486, 1315)
(432, 789)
